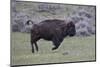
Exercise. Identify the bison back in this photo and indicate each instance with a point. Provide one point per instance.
(51, 28)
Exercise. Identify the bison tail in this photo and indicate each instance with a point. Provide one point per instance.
(29, 22)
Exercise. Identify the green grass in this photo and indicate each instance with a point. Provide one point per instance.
(72, 49)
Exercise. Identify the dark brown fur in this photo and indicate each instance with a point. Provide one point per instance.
(51, 30)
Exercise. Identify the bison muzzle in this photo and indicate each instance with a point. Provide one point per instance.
(52, 30)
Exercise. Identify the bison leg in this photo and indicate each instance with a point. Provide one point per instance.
(56, 43)
(32, 46)
(54, 48)
(36, 46)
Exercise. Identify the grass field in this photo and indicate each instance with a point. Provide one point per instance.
(72, 49)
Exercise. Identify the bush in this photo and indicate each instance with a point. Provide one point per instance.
(84, 28)
(82, 16)
(15, 28)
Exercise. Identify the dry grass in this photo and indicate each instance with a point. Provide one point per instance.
(71, 50)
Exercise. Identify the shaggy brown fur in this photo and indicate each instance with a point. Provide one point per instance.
(52, 30)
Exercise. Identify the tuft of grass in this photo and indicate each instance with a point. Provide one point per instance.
(72, 49)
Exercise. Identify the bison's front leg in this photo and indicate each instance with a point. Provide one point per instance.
(56, 43)
(54, 48)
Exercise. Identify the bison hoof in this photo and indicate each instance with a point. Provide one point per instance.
(32, 51)
(54, 48)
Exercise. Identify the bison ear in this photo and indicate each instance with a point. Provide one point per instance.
(29, 22)
(70, 24)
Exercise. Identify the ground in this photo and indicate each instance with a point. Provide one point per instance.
(71, 49)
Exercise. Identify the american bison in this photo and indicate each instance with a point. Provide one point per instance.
(52, 30)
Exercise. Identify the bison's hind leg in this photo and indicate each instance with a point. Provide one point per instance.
(32, 46)
(36, 46)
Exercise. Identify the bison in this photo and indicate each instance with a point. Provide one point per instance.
(52, 30)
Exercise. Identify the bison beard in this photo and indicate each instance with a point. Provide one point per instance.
(51, 30)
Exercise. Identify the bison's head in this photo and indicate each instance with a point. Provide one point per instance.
(71, 31)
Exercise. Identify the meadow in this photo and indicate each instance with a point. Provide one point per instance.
(72, 49)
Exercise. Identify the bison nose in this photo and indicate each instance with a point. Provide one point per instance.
(72, 33)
